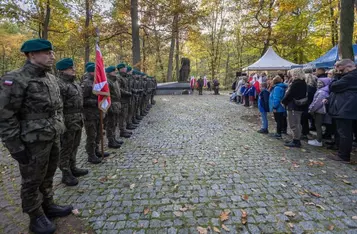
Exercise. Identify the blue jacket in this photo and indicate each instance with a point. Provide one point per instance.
(263, 101)
(276, 95)
(249, 92)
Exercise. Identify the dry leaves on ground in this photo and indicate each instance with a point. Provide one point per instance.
(244, 217)
(215, 229)
(347, 182)
(211, 164)
(202, 230)
(289, 214)
(291, 225)
(154, 161)
(178, 213)
(331, 227)
(354, 191)
(132, 186)
(354, 217)
(225, 228)
(103, 179)
(315, 163)
(75, 212)
(245, 197)
(224, 216)
(146, 211)
(315, 194)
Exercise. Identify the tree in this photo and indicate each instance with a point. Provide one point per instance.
(135, 33)
(346, 29)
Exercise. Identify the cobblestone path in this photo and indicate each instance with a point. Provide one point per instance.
(191, 159)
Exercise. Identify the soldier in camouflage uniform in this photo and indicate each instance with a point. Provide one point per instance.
(31, 123)
(131, 84)
(152, 101)
(114, 110)
(91, 118)
(143, 106)
(136, 93)
(71, 94)
(125, 99)
(141, 94)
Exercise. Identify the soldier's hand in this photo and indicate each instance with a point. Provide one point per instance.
(21, 157)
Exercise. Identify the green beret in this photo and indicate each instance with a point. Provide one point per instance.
(64, 64)
(128, 68)
(89, 63)
(120, 66)
(90, 68)
(36, 45)
(109, 69)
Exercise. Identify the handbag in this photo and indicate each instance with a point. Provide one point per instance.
(303, 101)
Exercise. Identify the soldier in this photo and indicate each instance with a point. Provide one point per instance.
(131, 81)
(114, 110)
(91, 117)
(138, 85)
(71, 94)
(31, 123)
(143, 103)
(136, 93)
(200, 85)
(125, 99)
(85, 74)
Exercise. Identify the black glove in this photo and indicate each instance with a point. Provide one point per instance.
(21, 157)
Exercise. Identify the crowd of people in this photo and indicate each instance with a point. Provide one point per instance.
(200, 83)
(42, 114)
(306, 100)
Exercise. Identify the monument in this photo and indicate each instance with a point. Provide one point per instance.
(185, 70)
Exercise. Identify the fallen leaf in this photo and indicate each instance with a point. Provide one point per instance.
(319, 206)
(103, 179)
(291, 225)
(323, 171)
(146, 210)
(225, 228)
(303, 150)
(178, 213)
(154, 161)
(183, 209)
(75, 212)
(289, 213)
(347, 182)
(331, 227)
(215, 229)
(309, 204)
(132, 186)
(354, 217)
(112, 177)
(211, 163)
(224, 216)
(245, 197)
(201, 230)
(315, 194)
(354, 191)
(164, 163)
(237, 172)
(244, 217)
(247, 147)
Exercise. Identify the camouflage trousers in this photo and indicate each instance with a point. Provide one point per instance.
(70, 141)
(123, 116)
(143, 104)
(112, 124)
(129, 119)
(92, 128)
(135, 107)
(37, 176)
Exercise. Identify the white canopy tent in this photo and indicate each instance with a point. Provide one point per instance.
(270, 61)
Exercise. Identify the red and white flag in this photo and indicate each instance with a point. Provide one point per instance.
(101, 87)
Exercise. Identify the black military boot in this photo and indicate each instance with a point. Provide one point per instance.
(294, 144)
(113, 144)
(53, 211)
(41, 225)
(131, 126)
(68, 179)
(94, 159)
(125, 134)
(119, 141)
(77, 172)
(139, 117)
(98, 153)
(135, 121)
(153, 102)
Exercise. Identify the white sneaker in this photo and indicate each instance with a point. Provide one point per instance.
(315, 143)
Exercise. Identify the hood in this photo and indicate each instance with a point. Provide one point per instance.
(325, 81)
(282, 85)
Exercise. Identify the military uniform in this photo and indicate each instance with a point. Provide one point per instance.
(113, 112)
(125, 101)
(143, 106)
(152, 101)
(91, 119)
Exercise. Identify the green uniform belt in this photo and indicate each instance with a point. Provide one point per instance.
(34, 116)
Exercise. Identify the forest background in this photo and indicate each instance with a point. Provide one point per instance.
(219, 37)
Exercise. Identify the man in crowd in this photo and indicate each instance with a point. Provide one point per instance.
(71, 94)
(91, 117)
(31, 124)
(200, 85)
(343, 107)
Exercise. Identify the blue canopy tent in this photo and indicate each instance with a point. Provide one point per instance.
(329, 59)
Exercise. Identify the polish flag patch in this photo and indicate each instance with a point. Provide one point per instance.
(8, 82)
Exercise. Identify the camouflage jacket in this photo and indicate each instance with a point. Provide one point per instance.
(90, 100)
(115, 95)
(30, 107)
(145, 86)
(125, 90)
(72, 99)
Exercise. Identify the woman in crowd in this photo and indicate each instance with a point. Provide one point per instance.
(311, 82)
(318, 110)
(296, 101)
(263, 106)
(276, 95)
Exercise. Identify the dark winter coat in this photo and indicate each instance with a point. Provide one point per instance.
(297, 90)
(343, 97)
(263, 101)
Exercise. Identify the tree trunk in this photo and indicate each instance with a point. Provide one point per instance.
(346, 29)
(135, 33)
(158, 54)
(227, 68)
(143, 67)
(332, 24)
(86, 33)
(177, 52)
(172, 50)
(46, 21)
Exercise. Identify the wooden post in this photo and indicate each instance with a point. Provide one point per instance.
(101, 133)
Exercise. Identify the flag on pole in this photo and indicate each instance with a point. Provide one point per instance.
(101, 87)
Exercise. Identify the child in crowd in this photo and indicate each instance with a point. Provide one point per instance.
(263, 105)
(318, 110)
(276, 95)
(246, 94)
